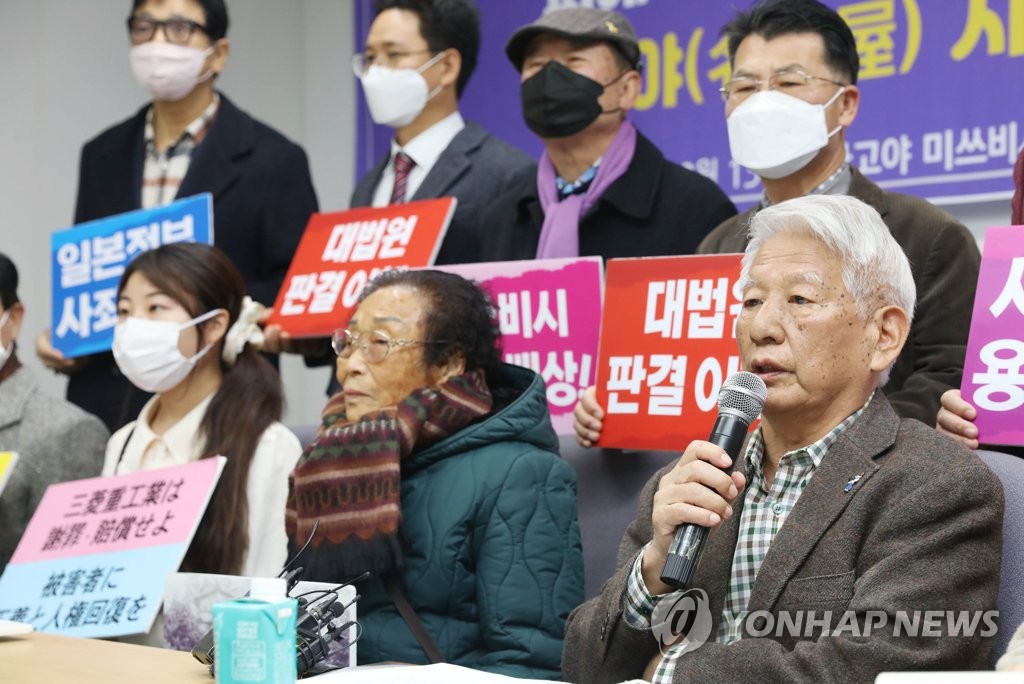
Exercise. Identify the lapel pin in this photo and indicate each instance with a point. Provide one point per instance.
(853, 481)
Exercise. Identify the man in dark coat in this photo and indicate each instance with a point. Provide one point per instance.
(602, 188)
(190, 140)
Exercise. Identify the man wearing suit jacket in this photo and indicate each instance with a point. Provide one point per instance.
(191, 139)
(786, 54)
(54, 440)
(602, 188)
(837, 506)
(418, 57)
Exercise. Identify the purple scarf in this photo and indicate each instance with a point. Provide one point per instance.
(560, 235)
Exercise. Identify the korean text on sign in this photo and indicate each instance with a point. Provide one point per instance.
(93, 558)
(89, 259)
(341, 252)
(993, 378)
(549, 314)
(667, 344)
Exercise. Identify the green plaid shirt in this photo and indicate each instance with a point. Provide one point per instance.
(765, 509)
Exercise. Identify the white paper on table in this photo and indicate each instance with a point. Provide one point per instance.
(418, 674)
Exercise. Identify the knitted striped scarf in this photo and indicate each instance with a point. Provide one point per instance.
(348, 477)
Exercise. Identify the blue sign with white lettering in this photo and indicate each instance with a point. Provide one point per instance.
(87, 261)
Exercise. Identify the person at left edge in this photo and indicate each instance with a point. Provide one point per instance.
(417, 60)
(54, 440)
(189, 140)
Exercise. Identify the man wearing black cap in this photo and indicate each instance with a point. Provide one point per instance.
(602, 188)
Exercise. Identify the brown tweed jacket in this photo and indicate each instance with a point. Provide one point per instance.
(920, 530)
(944, 259)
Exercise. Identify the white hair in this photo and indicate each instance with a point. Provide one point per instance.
(876, 272)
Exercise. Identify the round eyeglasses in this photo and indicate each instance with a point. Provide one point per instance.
(177, 30)
(374, 345)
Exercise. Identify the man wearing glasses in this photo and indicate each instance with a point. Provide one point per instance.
(417, 60)
(790, 99)
(190, 139)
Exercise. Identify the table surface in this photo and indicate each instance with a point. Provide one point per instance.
(53, 659)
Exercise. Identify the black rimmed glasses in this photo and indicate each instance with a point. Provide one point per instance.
(789, 81)
(374, 345)
(176, 30)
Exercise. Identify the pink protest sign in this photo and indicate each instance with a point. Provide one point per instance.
(93, 559)
(105, 514)
(549, 312)
(994, 367)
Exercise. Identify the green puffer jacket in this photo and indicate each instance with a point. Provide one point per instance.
(493, 564)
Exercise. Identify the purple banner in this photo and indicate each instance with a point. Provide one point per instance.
(940, 113)
(549, 312)
(994, 367)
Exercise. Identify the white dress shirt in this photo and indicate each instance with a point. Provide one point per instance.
(267, 489)
(425, 149)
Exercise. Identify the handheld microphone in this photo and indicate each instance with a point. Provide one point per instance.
(739, 404)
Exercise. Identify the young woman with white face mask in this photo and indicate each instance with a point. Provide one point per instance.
(187, 333)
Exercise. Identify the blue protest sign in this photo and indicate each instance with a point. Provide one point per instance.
(86, 263)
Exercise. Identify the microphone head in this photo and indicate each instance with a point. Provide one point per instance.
(742, 394)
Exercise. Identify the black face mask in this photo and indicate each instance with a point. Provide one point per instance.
(558, 102)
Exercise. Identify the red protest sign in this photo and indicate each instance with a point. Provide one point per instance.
(667, 343)
(340, 252)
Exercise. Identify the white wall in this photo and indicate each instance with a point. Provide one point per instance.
(64, 76)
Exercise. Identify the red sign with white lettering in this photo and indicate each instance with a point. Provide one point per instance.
(342, 251)
(668, 341)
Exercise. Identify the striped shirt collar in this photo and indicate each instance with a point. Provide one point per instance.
(195, 131)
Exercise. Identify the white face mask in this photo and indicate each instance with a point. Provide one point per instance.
(168, 72)
(397, 96)
(775, 135)
(5, 351)
(147, 352)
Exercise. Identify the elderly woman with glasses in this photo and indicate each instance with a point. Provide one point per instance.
(436, 469)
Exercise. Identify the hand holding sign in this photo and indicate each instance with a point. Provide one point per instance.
(956, 419)
(54, 359)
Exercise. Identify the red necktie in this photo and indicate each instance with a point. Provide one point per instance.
(403, 164)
